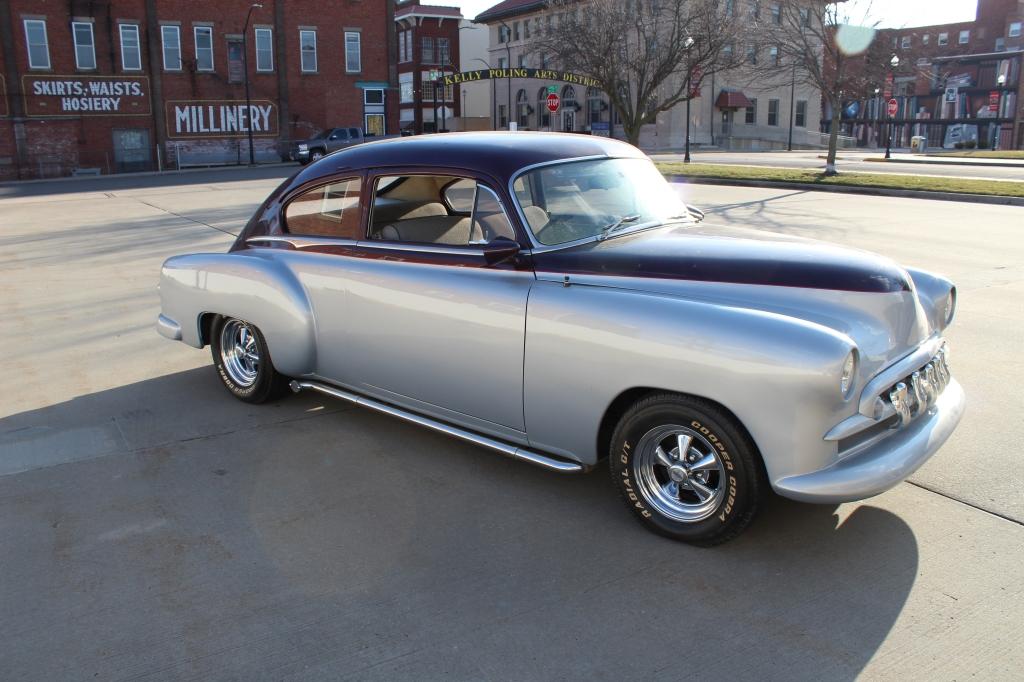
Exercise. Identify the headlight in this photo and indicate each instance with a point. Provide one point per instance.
(303, 147)
(849, 374)
(948, 308)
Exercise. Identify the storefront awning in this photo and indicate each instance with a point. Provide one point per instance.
(732, 99)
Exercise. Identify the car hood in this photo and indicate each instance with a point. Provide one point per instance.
(868, 297)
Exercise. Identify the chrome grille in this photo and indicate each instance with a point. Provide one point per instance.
(913, 395)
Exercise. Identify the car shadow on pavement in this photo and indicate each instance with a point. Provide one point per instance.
(219, 539)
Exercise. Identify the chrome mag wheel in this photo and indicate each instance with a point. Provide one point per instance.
(239, 353)
(679, 473)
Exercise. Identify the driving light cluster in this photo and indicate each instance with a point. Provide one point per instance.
(849, 374)
(949, 308)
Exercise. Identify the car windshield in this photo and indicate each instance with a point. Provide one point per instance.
(323, 134)
(598, 198)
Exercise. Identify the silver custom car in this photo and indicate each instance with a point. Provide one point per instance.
(550, 297)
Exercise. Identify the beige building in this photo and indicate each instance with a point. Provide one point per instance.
(729, 113)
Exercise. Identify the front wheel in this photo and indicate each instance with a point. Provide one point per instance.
(243, 363)
(686, 469)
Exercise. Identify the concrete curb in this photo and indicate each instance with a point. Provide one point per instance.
(938, 161)
(873, 191)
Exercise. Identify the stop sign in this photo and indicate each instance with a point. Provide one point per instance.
(893, 107)
(553, 102)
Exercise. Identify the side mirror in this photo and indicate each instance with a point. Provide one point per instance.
(500, 250)
(695, 213)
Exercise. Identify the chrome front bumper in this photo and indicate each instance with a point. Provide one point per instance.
(885, 463)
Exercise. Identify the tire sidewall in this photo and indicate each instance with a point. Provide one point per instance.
(260, 388)
(740, 472)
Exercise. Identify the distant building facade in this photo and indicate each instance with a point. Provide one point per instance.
(956, 84)
(729, 113)
(428, 43)
(109, 86)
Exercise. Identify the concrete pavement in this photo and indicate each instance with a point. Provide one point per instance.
(155, 528)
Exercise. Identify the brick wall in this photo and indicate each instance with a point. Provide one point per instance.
(57, 141)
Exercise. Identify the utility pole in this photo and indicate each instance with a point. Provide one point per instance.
(245, 66)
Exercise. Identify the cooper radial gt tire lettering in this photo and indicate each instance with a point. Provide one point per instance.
(686, 469)
(242, 359)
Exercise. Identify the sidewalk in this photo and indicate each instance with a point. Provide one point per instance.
(948, 160)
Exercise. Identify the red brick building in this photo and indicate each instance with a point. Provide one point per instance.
(122, 85)
(428, 40)
(955, 83)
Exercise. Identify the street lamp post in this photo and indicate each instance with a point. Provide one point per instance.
(877, 131)
(1001, 83)
(894, 62)
(792, 95)
(245, 66)
(688, 44)
(508, 69)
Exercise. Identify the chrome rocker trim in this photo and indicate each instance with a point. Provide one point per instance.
(507, 449)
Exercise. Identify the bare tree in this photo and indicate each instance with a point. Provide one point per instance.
(648, 55)
(831, 51)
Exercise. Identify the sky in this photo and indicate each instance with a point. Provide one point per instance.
(891, 13)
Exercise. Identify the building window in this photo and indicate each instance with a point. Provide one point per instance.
(727, 52)
(171, 37)
(730, 7)
(307, 50)
(522, 61)
(925, 39)
(373, 96)
(805, 17)
(502, 62)
(752, 54)
(515, 30)
(755, 9)
(801, 113)
(751, 116)
(444, 56)
(776, 15)
(85, 44)
(131, 53)
(1000, 44)
(965, 37)
(35, 40)
(204, 48)
(408, 46)
(905, 43)
(543, 114)
(405, 88)
(773, 56)
(773, 112)
(264, 49)
(523, 109)
(427, 50)
(502, 33)
(236, 62)
(595, 105)
(401, 47)
(943, 39)
(353, 52)
(1014, 30)
(502, 116)
(526, 29)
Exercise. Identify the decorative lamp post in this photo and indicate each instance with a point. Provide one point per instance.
(876, 114)
(688, 44)
(245, 66)
(508, 68)
(894, 62)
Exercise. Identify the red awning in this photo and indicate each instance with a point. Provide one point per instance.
(731, 99)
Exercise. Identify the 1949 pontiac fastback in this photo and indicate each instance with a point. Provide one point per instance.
(552, 298)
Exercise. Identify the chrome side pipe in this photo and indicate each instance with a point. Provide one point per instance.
(507, 449)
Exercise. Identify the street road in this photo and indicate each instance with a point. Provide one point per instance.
(152, 527)
(852, 161)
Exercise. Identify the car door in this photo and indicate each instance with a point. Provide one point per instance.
(337, 139)
(431, 325)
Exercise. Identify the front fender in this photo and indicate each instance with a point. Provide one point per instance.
(586, 345)
(259, 290)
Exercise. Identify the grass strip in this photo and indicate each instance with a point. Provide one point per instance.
(813, 177)
(984, 154)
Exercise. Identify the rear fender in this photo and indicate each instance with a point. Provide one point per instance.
(261, 291)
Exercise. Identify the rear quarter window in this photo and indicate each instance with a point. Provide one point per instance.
(330, 210)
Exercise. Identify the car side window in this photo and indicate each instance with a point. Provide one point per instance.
(327, 211)
(437, 209)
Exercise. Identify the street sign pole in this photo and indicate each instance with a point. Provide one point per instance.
(891, 109)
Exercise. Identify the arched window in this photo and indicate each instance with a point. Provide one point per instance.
(543, 115)
(569, 109)
(595, 106)
(523, 109)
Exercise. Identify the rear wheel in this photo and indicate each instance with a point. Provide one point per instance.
(686, 469)
(243, 362)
